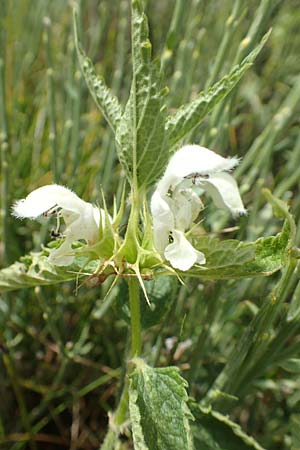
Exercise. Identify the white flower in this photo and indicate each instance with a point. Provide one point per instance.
(175, 206)
(81, 218)
(180, 252)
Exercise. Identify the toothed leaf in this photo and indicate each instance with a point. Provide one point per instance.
(141, 138)
(35, 269)
(235, 259)
(107, 103)
(193, 113)
(158, 409)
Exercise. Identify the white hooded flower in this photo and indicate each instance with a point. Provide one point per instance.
(81, 218)
(175, 206)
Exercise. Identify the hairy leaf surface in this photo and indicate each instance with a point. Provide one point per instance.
(141, 137)
(158, 409)
(235, 259)
(35, 269)
(107, 103)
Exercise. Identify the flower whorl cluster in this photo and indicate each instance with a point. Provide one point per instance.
(175, 205)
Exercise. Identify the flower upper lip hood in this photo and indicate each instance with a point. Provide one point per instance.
(81, 218)
(174, 204)
(192, 159)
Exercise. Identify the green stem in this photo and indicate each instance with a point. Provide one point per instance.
(127, 250)
(134, 303)
(136, 345)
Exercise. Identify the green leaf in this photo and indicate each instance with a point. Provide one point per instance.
(141, 138)
(291, 365)
(235, 259)
(214, 431)
(193, 113)
(158, 409)
(35, 269)
(161, 293)
(281, 209)
(107, 103)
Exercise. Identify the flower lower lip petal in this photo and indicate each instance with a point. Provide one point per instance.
(181, 254)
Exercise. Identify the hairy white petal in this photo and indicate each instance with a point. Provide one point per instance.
(44, 198)
(99, 214)
(181, 254)
(161, 237)
(186, 206)
(191, 160)
(81, 218)
(81, 226)
(85, 227)
(163, 221)
(161, 211)
(225, 193)
(175, 206)
(63, 255)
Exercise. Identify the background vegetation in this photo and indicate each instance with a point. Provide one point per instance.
(62, 353)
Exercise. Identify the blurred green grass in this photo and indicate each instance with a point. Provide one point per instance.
(62, 353)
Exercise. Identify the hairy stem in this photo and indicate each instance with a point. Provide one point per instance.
(134, 302)
(136, 345)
